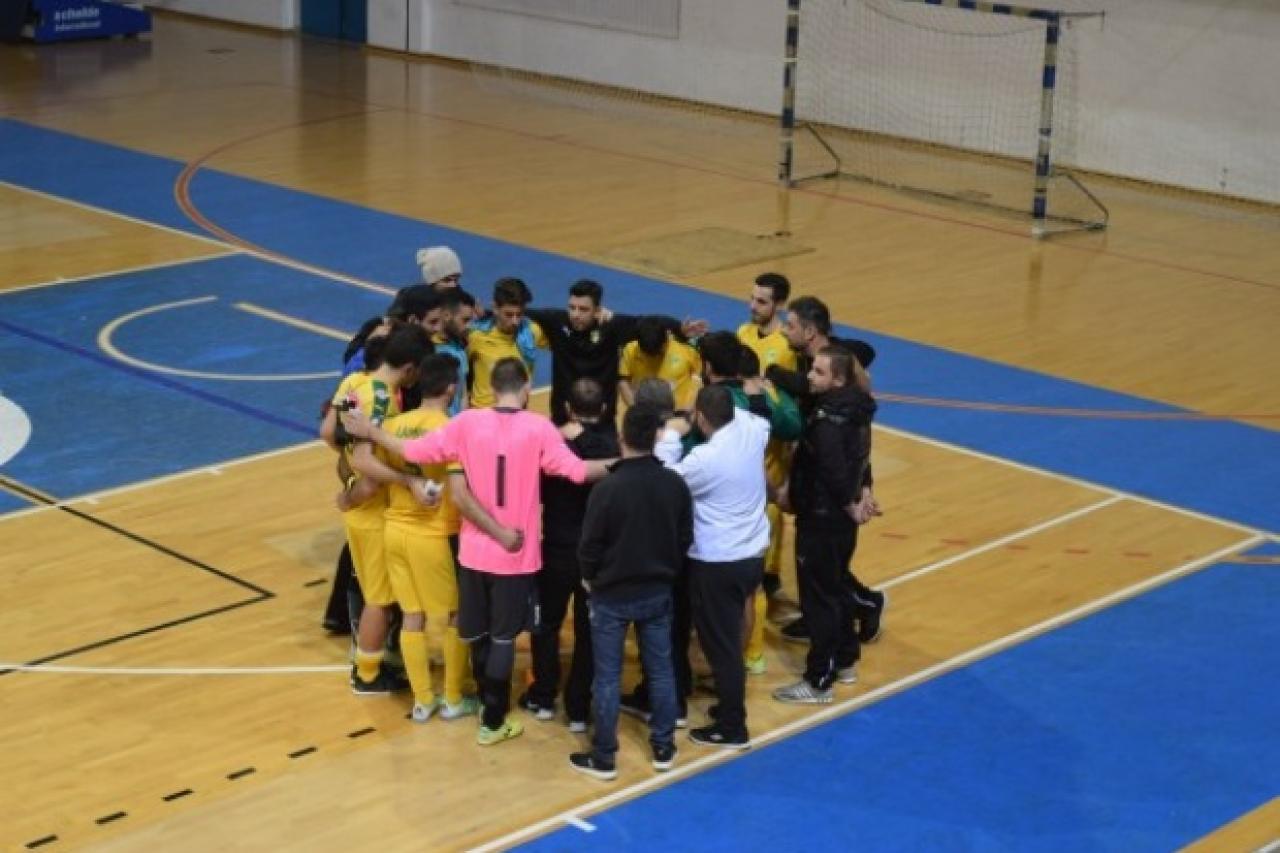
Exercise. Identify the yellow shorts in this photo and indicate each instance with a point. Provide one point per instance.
(422, 571)
(369, 557)
(773, 557)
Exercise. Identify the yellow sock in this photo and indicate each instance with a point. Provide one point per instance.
(368, 664)
(417, 665)
(755, 644)
(457, 665)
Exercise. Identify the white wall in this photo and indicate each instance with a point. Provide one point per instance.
(273, 14)
(1185, 92)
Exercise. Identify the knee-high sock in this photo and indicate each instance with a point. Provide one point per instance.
(417, 664)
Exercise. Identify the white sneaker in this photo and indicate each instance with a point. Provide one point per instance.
(468, 707)
(848, 675)
(577, 727)
(804, 693)
(423, 711)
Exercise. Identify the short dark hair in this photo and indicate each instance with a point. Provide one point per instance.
(813, 313)
(509, 376)
(748, 363)
(588, 288)
(651, 335)
(715, 403)
(656, 393)
(511, 291)
(777, 284)
(416, 301)
(375, 346)
(408, 344)
(640, 428)
(586, 398)
(453, 298)
(436, 373)
(842, 363)
(721, 353)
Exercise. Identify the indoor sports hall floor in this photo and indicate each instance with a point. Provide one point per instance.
(1077, 452)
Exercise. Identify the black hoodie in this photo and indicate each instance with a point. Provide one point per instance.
(833, 458)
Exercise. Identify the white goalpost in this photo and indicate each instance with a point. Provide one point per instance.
(959, 100)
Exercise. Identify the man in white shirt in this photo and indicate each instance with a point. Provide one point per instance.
(725, 475)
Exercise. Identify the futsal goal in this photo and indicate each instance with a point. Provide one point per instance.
(960, 100)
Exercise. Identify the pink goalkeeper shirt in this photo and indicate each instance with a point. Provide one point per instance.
(503, 452)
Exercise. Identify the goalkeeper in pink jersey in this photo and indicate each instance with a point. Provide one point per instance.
(503, 450)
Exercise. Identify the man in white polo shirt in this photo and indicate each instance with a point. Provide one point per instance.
(730, 535)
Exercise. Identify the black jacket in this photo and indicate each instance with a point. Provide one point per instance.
(796, 382)
(638, 528)
(592, 354)
(564, 503)
(833, 458)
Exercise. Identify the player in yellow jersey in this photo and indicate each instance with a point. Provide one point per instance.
(763, 334)
(419, 521)
(656, 353)
(377, 395)
(506, 333)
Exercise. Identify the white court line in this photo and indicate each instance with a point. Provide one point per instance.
(841, 708)
(1270, 847)
(172, 670)
(225, 253)
(93, 497)
(1003, 540)
(295, 322)
(579, 823)
(1076, 481)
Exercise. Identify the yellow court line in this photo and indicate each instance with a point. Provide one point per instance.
(295, 322)
(573, 816)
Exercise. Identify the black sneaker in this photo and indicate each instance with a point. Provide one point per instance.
(771, 583)
(395, 677)
(633, 706)
(796, 631)
(869, 617)
(715, 736)
(337, 627)
(585, 762)
(380, 686)
(664, 757)
(541, 712)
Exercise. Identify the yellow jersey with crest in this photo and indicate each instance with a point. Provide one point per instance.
(378, 401)
(402, 507)
(680, 365)
(770, 349)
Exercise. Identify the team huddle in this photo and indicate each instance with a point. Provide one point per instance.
(470, 520)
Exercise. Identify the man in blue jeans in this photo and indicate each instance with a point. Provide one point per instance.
(637, 529)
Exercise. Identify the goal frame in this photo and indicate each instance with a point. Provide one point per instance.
(1043, 223)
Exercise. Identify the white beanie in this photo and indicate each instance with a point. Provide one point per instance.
(438, 262)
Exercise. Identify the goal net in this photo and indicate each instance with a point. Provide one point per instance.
(961, 100)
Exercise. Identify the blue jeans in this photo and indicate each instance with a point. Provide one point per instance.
(609, 621)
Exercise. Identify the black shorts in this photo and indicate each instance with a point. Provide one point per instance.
(500, 606)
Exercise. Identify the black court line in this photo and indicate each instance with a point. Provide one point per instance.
(49, 500)
(316, 582)
(40, 842)
(361, 732)
(306, 750)
(240, 774)
(177, 795)
(114, 816)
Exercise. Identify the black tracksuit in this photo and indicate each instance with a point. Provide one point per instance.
(592, 354)
(830, 467)
(564, 505)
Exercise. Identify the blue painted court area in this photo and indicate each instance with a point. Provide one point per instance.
(1221, 468)
(9, 503)
(1141, 728)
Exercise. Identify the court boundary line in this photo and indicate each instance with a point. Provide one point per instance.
(930, 568)
(599, 804)
(57, 669)
(1075, 481)
(159, 265)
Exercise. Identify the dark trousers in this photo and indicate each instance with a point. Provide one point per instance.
(720, 592)
(681, 634)
(338, 609)
(823, 552)
(492, 611)
(609, 621)
(559, 580)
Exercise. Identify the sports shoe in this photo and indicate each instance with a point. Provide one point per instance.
(803, 693)
(714, 735)
(380, 686)
(847, 674)
(423, 711)
(796, 631)
(664, 757)
(395, 677)
(585, 762)
(468, 707)
(509, 729)
(771, 583)
(540, 712)
(577, 727)
(756, 665)
(869, 617)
